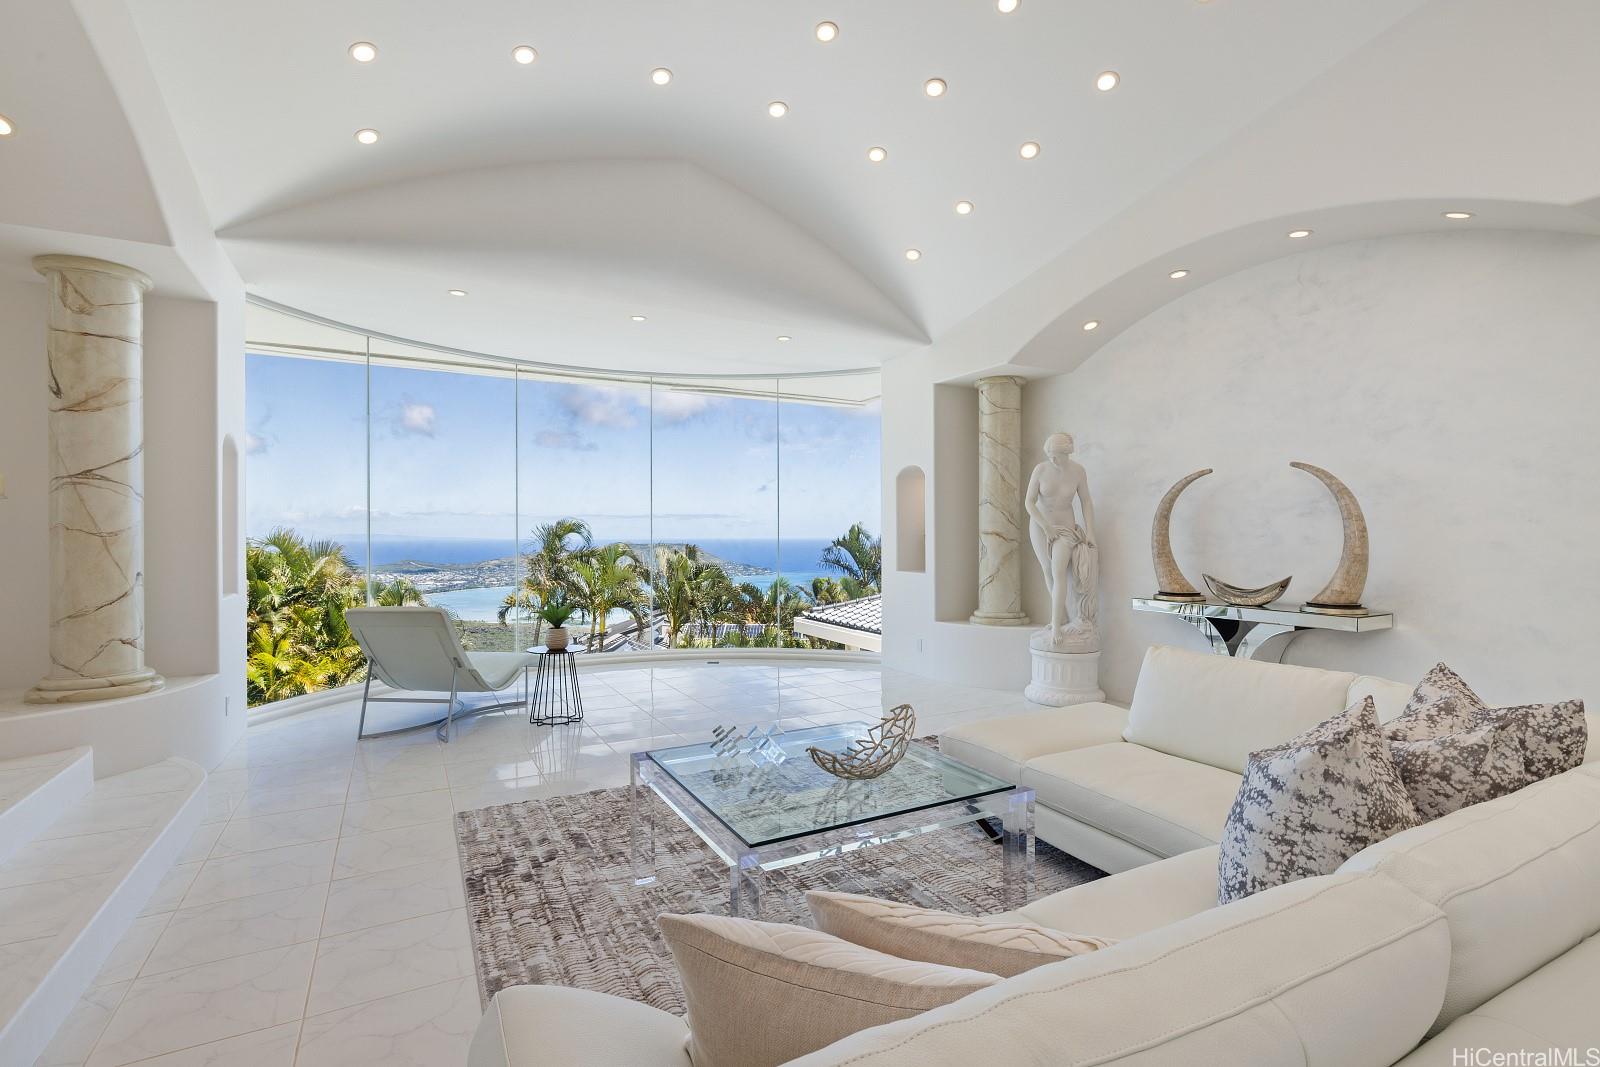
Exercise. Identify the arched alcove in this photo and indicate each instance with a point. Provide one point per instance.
(911, 524)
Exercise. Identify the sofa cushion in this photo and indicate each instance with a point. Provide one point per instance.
(1516, 876)
(1339, 971)
(760, 994)
(1002, 745)
(529, 1024)
(1133, 902)
(1217, 710)
(1552, 1008)
(998, 946)
(1311, 803)
(1390, 697)
(1161, 803)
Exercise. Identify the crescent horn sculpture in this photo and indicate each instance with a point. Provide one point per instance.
(1170, 582)
(1342, 594)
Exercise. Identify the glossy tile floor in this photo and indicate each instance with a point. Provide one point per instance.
(317, 916)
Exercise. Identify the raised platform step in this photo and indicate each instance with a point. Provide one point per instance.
(34, 790)
(68, 895)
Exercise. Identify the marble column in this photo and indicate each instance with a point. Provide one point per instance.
(96, 482)
(1001, 530)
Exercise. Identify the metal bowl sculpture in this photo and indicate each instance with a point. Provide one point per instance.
(874, 754)
(1246, 598)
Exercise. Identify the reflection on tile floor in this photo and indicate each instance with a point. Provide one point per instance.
(317, 917)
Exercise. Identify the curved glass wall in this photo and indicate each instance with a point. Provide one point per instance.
(665, 512)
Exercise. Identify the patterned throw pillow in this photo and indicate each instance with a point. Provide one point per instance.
(1453, 750)
(1311, 803)
(998, 946)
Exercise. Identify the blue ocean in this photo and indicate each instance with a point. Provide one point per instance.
(797, 559)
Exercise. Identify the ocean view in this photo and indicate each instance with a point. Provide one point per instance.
(800, 558)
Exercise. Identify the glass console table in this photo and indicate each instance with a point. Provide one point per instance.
(1259, 633)
(776, 808)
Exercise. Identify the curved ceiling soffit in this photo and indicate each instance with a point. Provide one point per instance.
(1062, 343)
(659, 230)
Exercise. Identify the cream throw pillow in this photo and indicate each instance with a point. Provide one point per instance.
(761, 994)
(999, 946)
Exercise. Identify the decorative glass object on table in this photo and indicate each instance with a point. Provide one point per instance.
(765, 805)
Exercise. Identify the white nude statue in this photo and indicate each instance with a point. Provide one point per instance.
(1066, 549)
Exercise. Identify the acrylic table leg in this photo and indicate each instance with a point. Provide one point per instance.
(1017, 848)
(744, 887)
(641, 825)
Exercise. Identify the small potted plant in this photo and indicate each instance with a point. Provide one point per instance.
(555, 612)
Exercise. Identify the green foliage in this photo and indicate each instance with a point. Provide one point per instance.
(298, 641)
(557, 609)
(860, 556)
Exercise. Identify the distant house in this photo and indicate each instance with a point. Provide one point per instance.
(852, 623)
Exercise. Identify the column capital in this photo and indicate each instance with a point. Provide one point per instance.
(61, 264)
(1002, 379)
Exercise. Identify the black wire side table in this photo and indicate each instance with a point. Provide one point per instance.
(556, 699)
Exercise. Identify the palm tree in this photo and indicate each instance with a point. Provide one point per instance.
(607, 579)
(860, 556)
(395, 594)
(555, 547)
(826, 590)
(688, 590)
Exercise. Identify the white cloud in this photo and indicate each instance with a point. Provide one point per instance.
(603, 405)
(254, 443)
(671, 406)
(564, 439)
(417, 418)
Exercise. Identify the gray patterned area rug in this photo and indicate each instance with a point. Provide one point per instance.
(551, 896)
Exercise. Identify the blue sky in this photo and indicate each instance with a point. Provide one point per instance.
(445, 461)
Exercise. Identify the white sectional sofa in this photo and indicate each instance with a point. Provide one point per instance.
(1121, 787)
(1477, 930)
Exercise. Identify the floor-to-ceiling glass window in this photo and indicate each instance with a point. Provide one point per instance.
(443, 515)
(829, 456)
(714, 512)
(662, 512)
(583, 498)
(305, 477)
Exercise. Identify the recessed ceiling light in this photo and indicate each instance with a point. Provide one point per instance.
(827, 31)
(1107, 80)
(785, 337)
(777, 109)
(963, 207)
(1029, 150)
(636, 318)
(877, 153)
(661, 75)
(1299, 234)
(524, 54)
(1092, 324)
(1006, 7)
(934, 86)
(367, 136)
(6, 129)
(1457, 216)
(913, 254)
(363, 51)
(1179, 273)
(456, 292)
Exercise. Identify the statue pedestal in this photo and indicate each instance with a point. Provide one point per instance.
(1063, 678)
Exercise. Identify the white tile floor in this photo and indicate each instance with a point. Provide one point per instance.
(318, 915)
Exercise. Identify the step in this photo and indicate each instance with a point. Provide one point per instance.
(34, 790)
(68, 896)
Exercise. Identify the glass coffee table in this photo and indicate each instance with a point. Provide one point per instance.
(774, 808)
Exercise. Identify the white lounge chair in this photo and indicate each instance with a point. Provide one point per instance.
(415, 649)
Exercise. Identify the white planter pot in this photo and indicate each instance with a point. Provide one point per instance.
(555, 638)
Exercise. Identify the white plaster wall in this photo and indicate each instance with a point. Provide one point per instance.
(1449, 379)
(24, 525)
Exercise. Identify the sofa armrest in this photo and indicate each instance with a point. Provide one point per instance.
(554, 1026)
(1002, 745)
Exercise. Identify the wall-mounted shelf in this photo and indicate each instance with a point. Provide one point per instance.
(1259, 633)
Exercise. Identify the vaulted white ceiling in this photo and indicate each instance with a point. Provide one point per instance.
(567, 195)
